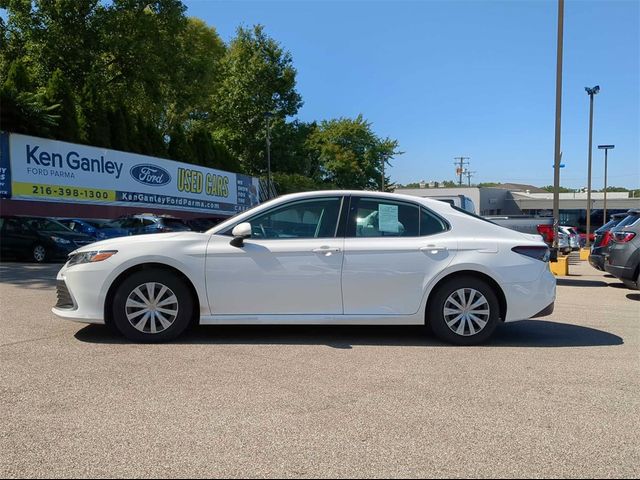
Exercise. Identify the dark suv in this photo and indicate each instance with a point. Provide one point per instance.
(623, 260)
(148, 223)
(603, 240)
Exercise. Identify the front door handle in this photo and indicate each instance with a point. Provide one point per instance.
(326, 250)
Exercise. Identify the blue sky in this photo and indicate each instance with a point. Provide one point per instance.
(471, 78)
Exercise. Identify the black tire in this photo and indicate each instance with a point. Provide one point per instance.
(183, 306)
(39, 253)
(436, 312)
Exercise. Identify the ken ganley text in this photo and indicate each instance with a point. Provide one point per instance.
(71, 160)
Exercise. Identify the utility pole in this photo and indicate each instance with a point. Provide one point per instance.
(469, 174)
(460, 167)
(267, 117)
(557, 152)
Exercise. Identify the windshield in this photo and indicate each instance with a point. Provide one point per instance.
(175, 224)
(46, 225)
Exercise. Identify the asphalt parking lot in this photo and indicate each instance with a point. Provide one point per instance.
(556, 397)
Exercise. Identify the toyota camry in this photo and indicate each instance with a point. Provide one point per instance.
(329, 257)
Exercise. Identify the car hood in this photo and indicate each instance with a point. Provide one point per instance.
(123, 242)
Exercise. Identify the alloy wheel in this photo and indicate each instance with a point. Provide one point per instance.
(39, 253)
(466, 312)
(151, 307)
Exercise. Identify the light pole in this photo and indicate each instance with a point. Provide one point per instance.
(591, 92)
(557, 154)
(268, 116)
(606, 149)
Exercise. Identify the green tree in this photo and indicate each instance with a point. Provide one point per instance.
(258, 77)
(561, 189)
(59, 93)
(350, 155)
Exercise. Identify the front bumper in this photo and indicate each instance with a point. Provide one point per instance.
(81, 293)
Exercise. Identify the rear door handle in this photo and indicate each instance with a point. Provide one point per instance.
(433, 248)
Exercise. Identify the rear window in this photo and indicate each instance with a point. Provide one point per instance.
(628, 221)
(608, 226)
(461, 210)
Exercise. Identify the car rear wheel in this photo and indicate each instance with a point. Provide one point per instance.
(39, 254)
(464, 311)
(152, 306)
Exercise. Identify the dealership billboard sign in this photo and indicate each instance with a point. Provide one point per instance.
(50, 170)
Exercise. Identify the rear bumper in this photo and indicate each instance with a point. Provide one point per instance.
(623, 273)
(528, 300)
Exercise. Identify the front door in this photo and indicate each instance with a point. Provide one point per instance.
(291, 265)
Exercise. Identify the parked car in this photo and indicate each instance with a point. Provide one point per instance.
(38, 239)
(602, 241)
(93, 228)
(623, 260)
(573, 237)
(310, 258)
(202, 224)
(146, 223)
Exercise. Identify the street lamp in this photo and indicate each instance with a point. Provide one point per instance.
(267, 117)
(606, 149)
(591, 92)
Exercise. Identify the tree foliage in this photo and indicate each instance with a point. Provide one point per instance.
(140, 76)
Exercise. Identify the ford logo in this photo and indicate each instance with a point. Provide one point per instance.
(150, 175)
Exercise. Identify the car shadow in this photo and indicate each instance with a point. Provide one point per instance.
(525, 333)
(29, 275)
(569, 282)
(634, 296)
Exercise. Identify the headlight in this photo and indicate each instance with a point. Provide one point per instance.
(90, 257)
(62, 241)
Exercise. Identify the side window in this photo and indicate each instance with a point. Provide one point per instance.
(12, 226)
(130, 223)
(430, 223)
(383, 218)
(314, 218)
(147, 222)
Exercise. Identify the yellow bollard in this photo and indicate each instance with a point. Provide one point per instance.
(561, 267)
(584, 253)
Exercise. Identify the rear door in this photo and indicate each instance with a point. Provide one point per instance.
(392, 251)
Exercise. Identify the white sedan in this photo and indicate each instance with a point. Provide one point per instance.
(330, 257)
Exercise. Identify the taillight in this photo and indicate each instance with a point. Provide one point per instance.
(623, 237)
(606, 239)
(537, 253)
(547, 232)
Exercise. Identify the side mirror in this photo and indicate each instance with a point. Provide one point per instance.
(240, 232)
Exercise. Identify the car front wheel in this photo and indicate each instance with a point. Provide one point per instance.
(151, 306)
(464, 311)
